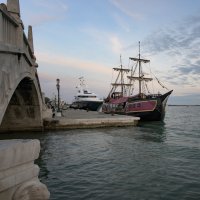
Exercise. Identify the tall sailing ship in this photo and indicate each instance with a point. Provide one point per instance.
(146, 105)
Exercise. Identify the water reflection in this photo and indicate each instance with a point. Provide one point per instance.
(41, 161)
(152, 131)
(156, 160)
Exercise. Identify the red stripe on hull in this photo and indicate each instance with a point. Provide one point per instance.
(141, 106)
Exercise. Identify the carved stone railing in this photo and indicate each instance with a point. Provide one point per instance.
(8, 31)
(18, 173)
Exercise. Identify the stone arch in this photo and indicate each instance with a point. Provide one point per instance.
(24, 110)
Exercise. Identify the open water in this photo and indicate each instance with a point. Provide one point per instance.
(154, 161)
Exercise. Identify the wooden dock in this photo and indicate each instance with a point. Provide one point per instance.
(78, 119)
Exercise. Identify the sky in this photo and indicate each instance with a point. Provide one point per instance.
(74, 38)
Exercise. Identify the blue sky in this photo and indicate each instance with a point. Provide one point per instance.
(74, 38)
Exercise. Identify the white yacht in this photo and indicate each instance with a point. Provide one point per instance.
(86, 99)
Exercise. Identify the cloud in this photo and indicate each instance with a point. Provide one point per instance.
(51, 4)
(179, 43)
(47, 11)
(68, 85)
(46, 77)
(188, 70)
(122, 22)
(116, 45)
(37, 20)
(183, 77)
(107, 39)
(48, 86)
(183, 38)
(126, 8)
(68, 69)
(75, 63)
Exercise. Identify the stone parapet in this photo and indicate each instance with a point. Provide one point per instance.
(21, 104)
(18, 173)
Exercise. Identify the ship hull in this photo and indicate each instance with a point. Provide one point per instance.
(156, 115)
(148, 109)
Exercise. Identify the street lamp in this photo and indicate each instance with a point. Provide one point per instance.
(58, 88)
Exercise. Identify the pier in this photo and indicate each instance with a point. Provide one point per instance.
(77, 119)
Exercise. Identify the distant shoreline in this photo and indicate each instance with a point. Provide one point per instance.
(183, 105)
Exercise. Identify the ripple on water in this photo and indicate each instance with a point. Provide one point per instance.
(152, 161)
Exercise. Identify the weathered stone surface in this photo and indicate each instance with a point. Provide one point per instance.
(13, 6)
(18, 173)
(83, 119)
(32, 190)
(21, 103)
(15, 152)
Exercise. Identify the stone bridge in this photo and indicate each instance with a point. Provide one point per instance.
(21, 102)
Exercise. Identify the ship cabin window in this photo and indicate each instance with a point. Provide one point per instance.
(113, 106)
(132, 106)
(138, 105)
(120, 106)
(116, 95)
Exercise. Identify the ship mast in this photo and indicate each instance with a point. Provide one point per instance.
(119, 82)
(139, 71)
(122, 87)
(140, 77)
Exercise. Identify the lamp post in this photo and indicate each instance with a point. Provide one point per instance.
(58, 88)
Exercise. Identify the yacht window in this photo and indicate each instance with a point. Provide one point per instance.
(81, 96)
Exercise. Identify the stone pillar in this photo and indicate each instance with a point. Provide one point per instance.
(1, 27)
(18, 173)
(13, 7)
(30, 38)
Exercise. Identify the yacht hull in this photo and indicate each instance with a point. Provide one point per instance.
(87, 105)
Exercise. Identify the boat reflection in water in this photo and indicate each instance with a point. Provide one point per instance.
(85, 99)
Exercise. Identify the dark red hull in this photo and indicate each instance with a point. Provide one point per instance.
(150, 108)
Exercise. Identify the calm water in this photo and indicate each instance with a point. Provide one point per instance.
(151, 162)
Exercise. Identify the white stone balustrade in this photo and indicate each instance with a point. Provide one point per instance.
(18, 173)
